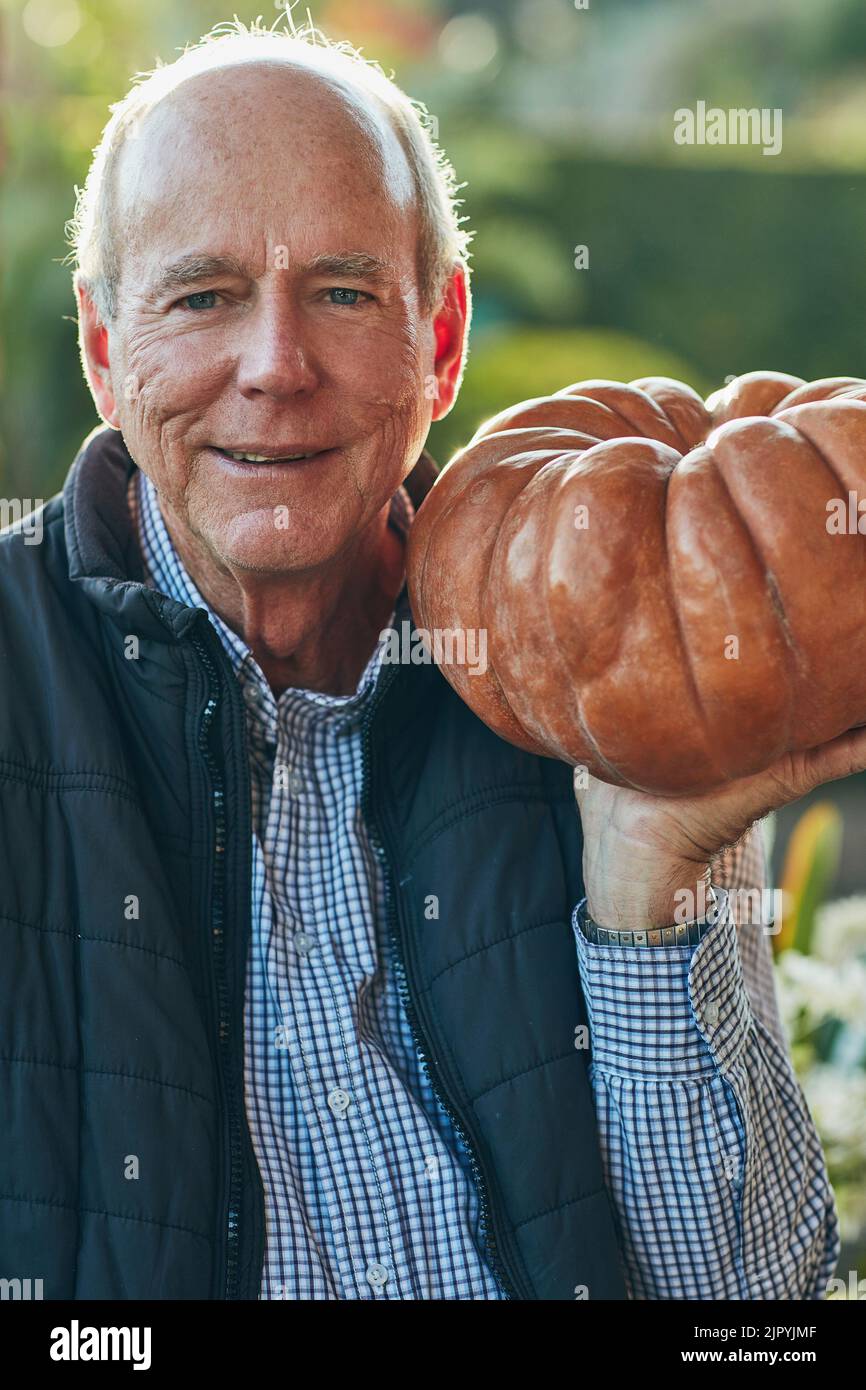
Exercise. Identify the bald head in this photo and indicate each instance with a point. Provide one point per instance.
(221, 83)
(269, 141)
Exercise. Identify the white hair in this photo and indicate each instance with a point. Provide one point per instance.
(442, 243)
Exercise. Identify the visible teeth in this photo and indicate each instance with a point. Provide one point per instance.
(258, 458)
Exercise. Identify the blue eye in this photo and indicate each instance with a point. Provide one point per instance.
(350, 302)
(196, 301)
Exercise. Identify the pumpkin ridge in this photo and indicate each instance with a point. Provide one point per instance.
(619, 778)
(574, 695)
(504, 709)
(633, 429)
(482, 614)
(686, 659)
(499, 560)
(615, 773)
(794, 670)
(661, 390)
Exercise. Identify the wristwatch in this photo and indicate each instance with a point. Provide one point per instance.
(680, 934)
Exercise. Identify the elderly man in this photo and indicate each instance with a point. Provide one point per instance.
(303, 997)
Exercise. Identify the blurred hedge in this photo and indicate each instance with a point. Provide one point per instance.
(516, 363)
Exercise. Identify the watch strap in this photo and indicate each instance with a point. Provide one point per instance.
(679, 934)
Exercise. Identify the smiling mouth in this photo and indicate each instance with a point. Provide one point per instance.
(250, 457)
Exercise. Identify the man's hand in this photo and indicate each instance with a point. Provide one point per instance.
(639, 850)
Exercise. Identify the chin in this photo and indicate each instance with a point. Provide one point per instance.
(254, 541)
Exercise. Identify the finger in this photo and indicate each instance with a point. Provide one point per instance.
(841, 757)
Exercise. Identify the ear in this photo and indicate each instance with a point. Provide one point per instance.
(450, 327)
(93, 342)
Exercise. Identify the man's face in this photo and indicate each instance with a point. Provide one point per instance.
(268, 304)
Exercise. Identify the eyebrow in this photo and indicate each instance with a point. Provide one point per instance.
(195, 268)
(354, 265)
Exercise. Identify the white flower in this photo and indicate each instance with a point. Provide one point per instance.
(817, 989)
(837, 1100)
(840, 930)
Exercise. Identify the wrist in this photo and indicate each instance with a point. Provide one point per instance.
(670, 891)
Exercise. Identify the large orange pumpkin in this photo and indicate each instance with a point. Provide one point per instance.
(668, 595)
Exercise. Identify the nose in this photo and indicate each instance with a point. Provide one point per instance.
(274, 360)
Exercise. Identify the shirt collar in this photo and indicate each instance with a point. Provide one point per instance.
(164, 570)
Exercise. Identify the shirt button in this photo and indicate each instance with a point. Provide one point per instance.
(303, 943)
(339, 1100)
(377, 1275)
(252, 695)
(294, 784)
(711, 1013)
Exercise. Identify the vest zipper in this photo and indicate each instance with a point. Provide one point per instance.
(219, 963)
(486, 1213)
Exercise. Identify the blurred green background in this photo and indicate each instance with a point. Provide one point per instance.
(704, 262)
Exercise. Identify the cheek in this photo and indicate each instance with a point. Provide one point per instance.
(164, 391)
(377, 361)
(383, 386)
(165, 377)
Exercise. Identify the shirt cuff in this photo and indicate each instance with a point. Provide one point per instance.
(666, 1011)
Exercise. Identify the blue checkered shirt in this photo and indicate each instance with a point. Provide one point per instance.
(711, 1158)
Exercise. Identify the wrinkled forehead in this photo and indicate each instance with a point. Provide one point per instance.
(272, 136)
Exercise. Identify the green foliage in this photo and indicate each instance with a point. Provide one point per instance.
(513, 364)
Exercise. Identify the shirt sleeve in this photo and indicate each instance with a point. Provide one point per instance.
(713, 1163)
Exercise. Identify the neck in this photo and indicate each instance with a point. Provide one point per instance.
(313, 630)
